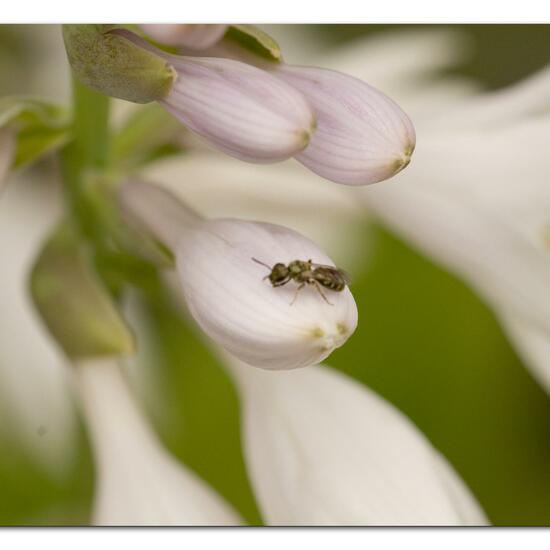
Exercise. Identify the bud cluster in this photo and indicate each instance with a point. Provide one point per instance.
(337, 126)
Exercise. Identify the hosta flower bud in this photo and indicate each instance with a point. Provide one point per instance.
(194, 37)
(362, 136)
(242, 110)
(224, 267)
(231, 296)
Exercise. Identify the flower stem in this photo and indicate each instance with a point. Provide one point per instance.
(86, 156)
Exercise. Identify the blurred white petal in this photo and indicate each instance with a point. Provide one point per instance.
(219, 186)
(509, 105)
(240, 109)
(33, 384)
(196, 37)
(137, 481)
(399, 54)
(479, 204)
(405, 64)
(322, 449)
(362, 136)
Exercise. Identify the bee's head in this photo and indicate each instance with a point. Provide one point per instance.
(279, 273)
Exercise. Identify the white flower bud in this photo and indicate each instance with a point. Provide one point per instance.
(229, 296)
(138, 482)
(242, 110)
(362, 136)
(195, 37)
(227, 291)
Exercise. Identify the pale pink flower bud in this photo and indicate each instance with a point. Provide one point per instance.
(223, 267)
(231, 298)
(242, 110)
(362, 136)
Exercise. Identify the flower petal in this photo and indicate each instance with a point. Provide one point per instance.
(479, 204)
(219, 186)
(324, 450)
(33, 381)
(138, 482)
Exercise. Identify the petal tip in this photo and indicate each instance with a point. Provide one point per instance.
(328, 340)
(404, 160)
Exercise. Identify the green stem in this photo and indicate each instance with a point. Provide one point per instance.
(86, 155)
(91, 125)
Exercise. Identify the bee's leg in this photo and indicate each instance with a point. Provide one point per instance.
(298, 288)
(281, 283)
(318, 287)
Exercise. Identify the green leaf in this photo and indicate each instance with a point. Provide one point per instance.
(27, 110)
(73, 303)
(34, 143)
(254, 40)
(39, 126)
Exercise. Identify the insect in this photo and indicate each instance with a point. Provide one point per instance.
(307, 273)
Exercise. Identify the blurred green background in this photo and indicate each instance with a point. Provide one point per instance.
(424, 342)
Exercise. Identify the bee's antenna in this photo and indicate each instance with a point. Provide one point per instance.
(261, 263)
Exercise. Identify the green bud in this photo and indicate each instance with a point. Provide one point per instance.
(112, 65)
(74, 305)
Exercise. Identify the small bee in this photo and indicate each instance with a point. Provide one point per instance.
(308, 273)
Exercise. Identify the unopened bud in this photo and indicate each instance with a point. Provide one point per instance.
(273, 323)
(242, 110)
(239, 286)
(362, 136)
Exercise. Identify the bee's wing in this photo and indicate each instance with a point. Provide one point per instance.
(345, 275)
